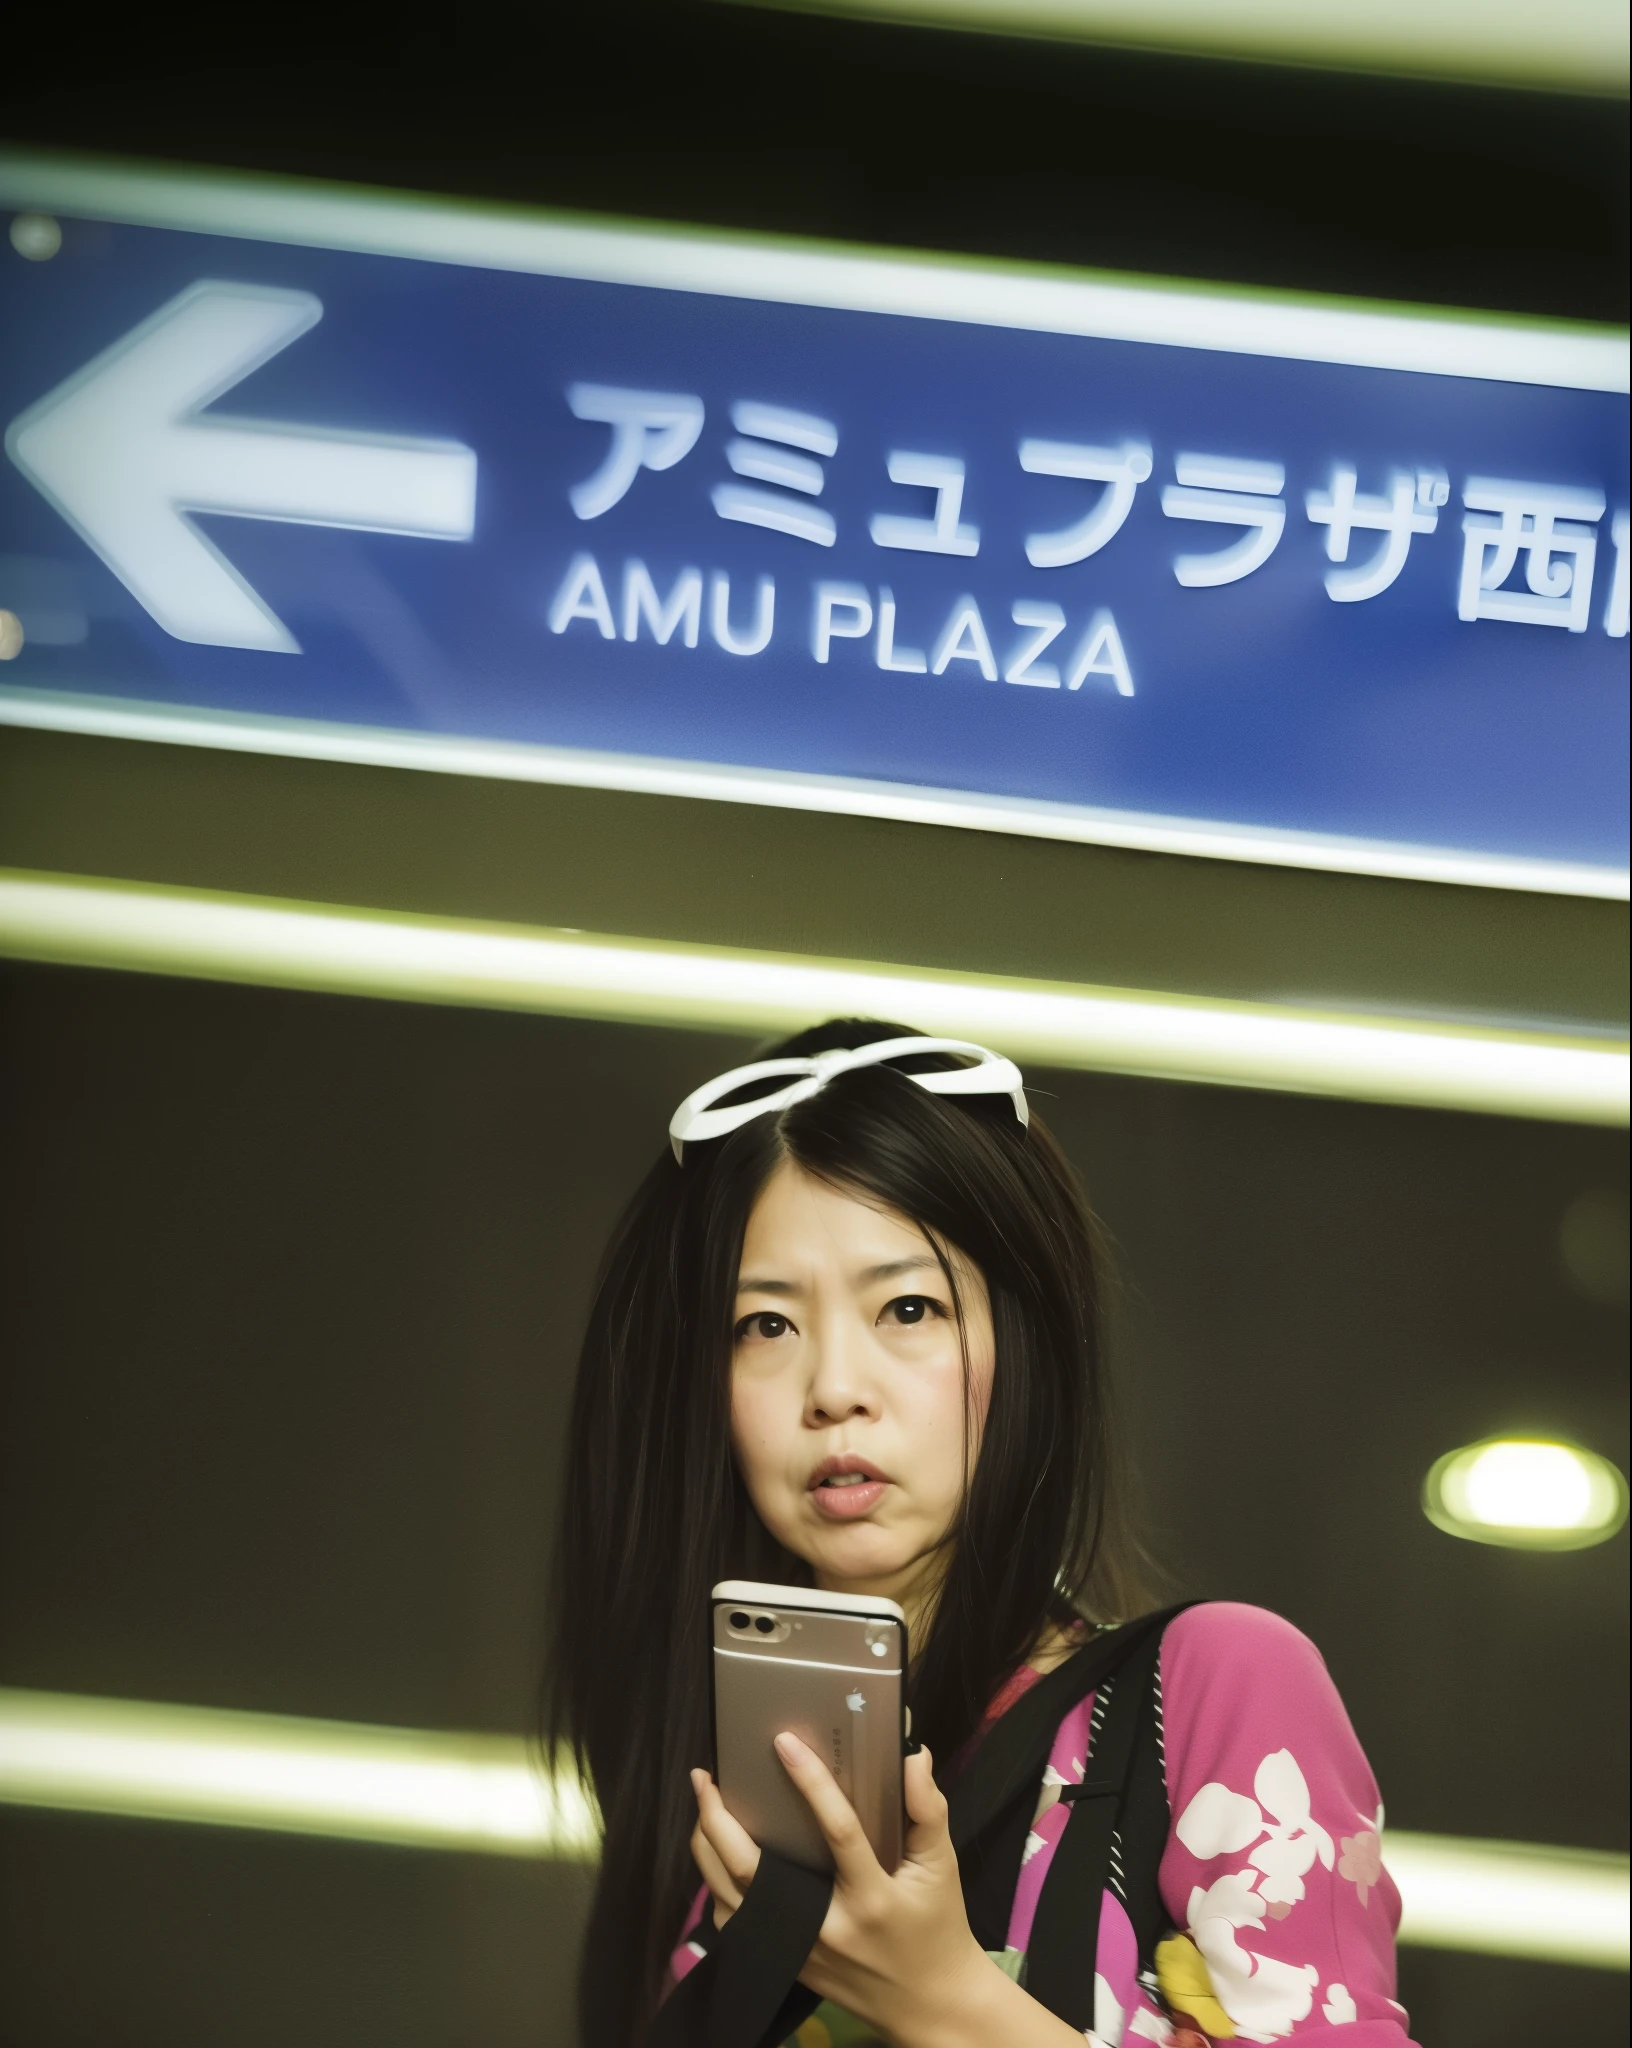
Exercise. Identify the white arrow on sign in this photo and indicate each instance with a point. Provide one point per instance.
(123, 453)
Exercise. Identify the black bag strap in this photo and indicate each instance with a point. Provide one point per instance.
(745, 1992)
(1064, 1948)
(993, 1799)
(763, 1947)
(1143, 1828)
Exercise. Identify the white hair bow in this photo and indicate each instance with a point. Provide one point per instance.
(696, 1119)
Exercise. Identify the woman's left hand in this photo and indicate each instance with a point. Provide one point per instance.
(896, 1951)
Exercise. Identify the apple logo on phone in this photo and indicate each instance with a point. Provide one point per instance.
(855, 1701)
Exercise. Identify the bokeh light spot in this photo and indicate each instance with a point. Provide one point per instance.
(1526, 1493)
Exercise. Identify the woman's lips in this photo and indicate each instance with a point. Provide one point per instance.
(845, 1489)
(848, 1503)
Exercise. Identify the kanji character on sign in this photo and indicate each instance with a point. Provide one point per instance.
(1554, 526)
(1615, 612)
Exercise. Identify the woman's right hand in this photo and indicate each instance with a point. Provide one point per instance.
(896, 1951)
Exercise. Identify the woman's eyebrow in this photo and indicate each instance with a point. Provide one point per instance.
(916, 1262)
(919, 1262)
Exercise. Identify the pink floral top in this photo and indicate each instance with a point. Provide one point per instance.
(1273, 1872)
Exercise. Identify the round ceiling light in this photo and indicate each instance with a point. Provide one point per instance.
(1528, 1493)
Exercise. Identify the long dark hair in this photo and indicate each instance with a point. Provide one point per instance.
(655, 1511)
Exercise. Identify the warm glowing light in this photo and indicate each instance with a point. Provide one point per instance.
(1527, 1494)
(1569, 45)
(73, 920)
(423, 1789)
(1510, 1898)
(1529, 1486)
(489, 1794)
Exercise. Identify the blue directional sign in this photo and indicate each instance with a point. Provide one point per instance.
(1099, 559)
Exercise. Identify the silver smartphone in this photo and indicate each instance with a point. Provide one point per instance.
(831, 1668)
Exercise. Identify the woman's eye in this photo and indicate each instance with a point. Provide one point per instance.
(766, 1323)
(910, 1309)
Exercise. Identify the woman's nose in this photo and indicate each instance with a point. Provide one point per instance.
(840, 1385)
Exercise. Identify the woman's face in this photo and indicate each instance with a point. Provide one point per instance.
(848, 1405)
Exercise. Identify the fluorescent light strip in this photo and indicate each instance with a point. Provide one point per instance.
(1511, 1898)
(788, 272)
(424, 1789)
(489, 1794)
(234, 938)
(1571, 44)
(832, 795)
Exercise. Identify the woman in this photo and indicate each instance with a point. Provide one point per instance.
(846, 1334)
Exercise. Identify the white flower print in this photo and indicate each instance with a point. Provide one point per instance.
(1230, 1899)
(1109, 2018)
(1219, 1822)
(1263, 1997)
(1340, 2008)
